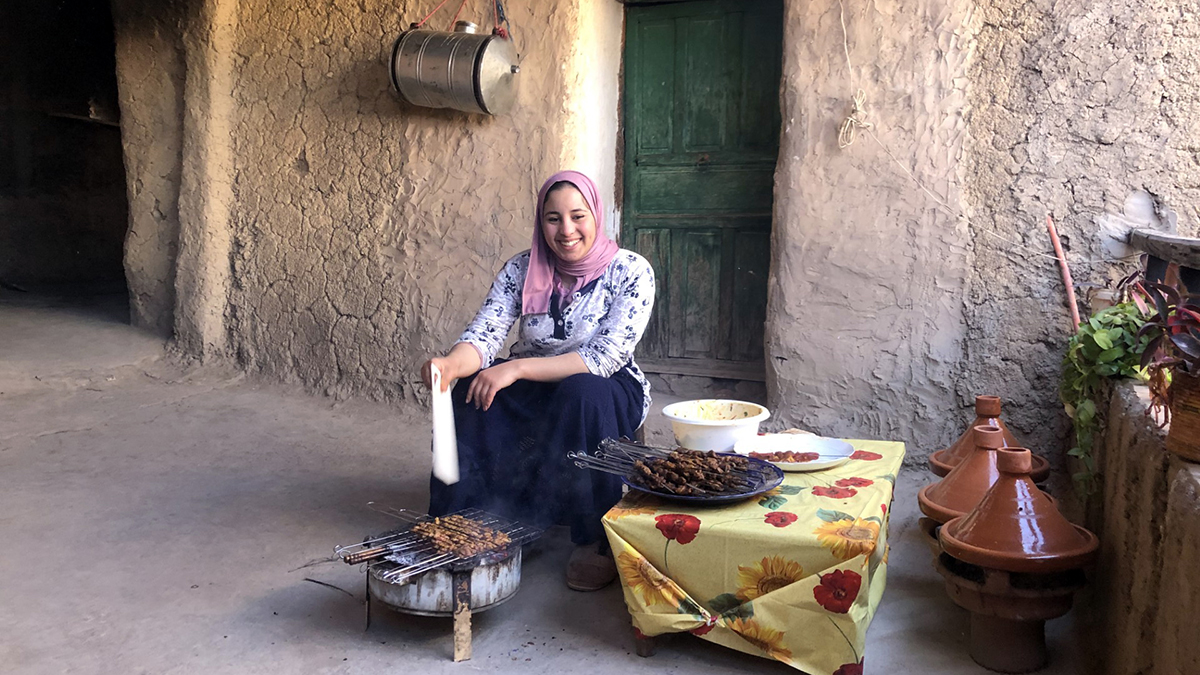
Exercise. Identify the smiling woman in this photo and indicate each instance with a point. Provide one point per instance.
(582, 304)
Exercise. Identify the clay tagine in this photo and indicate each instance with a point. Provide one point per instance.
(987, 413)
(963, 488)
(1016, 527)
(1013, 562)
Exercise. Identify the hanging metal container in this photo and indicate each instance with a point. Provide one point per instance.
(463, 70)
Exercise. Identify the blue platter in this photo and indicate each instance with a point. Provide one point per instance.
(764, 477)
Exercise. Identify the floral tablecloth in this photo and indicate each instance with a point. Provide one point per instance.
(795, 575)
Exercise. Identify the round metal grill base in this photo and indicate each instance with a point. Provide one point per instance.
(432, 593)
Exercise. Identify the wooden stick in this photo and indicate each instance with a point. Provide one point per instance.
(1066, 274)
(462, 615)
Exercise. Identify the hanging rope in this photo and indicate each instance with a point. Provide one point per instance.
(855, 120)
(454, 21)
(435, 10)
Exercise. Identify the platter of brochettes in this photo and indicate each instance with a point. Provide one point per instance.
(720, 454)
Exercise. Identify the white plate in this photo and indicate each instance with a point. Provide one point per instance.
(832, 451)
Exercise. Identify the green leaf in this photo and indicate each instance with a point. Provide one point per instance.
(773, 502)
(1102, 340)
(686, 606)
(1109, 355)
(728, 604)
(891, 478)
(833, 516)
(1086, 410)
(789, 489)
(1094, 323)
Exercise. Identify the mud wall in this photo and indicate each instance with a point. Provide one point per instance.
(1144, 598)
(150, 74)
(892, 306)
(289, 212)
(1077, 110)
(325, 232)
(865, 325)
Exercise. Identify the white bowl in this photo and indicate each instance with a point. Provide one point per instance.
(714, 424)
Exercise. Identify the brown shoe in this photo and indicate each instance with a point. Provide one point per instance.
(589, 570)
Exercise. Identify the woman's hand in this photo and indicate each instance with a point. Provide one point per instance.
(490, 381)
(462, 361)
(444, 365)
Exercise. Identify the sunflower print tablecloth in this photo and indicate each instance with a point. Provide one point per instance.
(794, 575)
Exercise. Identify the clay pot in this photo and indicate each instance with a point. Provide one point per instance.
(965, 485)
(1016, 528)
(1013, 562)
(1183, 439)
(1009, 611)
(987, 413)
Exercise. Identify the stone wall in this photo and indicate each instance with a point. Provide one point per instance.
(1144, 598)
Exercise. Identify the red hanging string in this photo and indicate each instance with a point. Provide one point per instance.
(435, 9)
(455, 19)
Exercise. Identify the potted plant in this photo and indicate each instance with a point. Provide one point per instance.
(1107, 346)
(1172, 363)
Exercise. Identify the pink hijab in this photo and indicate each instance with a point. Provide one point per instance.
(540, 280)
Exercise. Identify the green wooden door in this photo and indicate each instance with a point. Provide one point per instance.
(701, 138)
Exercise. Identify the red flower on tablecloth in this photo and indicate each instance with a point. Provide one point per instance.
(854, 482)
(837, 590)
(834, 492)
(702, 630)
(866, 454)
(678, 527)
(884, 507)
(850, 669)
(781, 518)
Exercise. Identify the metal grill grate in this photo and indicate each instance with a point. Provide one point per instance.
(400, 554)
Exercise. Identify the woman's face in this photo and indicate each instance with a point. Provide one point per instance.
(568, 224)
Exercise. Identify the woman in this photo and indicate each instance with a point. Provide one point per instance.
(569, 382)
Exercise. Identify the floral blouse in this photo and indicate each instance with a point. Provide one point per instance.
(603, 321)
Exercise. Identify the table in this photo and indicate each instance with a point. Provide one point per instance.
(794, 575)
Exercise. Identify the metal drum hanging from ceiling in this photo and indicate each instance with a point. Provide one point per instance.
(463, 70)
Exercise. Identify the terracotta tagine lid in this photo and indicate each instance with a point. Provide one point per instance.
(1016, 528)
(965, 485)
(987, 413)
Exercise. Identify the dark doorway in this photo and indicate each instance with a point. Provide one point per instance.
(63, 204)
(701, 140)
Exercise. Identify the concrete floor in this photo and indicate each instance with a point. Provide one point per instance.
(150, 514)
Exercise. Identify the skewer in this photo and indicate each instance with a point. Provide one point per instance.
(380, 540)
(632, 475)
(415, 553)
(418, 568)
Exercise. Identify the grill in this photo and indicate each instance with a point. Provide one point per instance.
(410, 573)
(401, 554)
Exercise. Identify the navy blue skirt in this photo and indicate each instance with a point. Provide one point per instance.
(513, 457)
